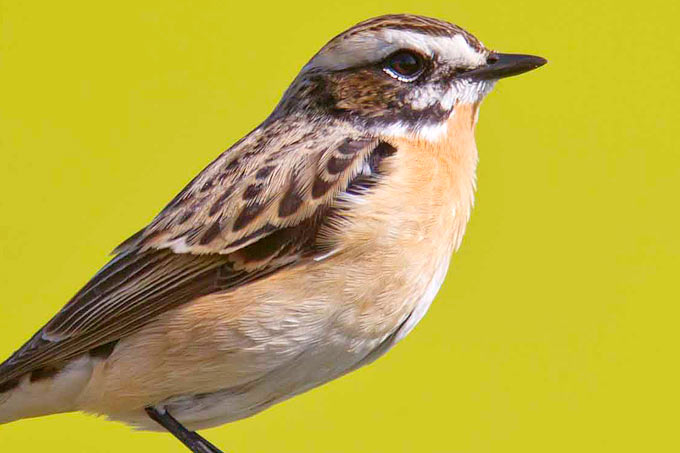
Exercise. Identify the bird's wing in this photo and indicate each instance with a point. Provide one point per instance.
(255, 189)
(253, 211)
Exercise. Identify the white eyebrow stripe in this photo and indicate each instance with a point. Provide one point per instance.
(363, 49)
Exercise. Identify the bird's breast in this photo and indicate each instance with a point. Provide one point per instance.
(395, 249)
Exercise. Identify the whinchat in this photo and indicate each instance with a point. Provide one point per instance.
(305, 251)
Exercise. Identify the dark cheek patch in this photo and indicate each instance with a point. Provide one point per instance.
(371, 98)
(371, 95)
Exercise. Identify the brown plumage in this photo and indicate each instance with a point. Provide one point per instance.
(303, 252)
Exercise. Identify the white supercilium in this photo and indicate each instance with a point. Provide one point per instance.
(366, 48)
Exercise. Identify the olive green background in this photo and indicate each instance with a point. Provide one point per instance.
(556, 329)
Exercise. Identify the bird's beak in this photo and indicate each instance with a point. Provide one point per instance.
(500, 65)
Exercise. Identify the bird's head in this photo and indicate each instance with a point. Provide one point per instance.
(401, 73)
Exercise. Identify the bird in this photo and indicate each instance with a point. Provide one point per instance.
(303, 252)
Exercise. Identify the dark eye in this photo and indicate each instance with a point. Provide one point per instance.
(404, 65)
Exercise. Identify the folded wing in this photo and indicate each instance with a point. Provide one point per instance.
(255, 210)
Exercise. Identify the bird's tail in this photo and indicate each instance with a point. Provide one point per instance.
(43, 393)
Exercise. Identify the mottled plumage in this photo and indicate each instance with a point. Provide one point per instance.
(303, 252)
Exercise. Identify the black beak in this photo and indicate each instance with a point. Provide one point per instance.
(500, 65)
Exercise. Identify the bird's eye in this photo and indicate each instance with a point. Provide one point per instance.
(404, 65)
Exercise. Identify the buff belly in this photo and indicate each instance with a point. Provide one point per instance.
(243, 365)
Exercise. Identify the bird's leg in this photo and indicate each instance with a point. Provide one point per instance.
(191, 439)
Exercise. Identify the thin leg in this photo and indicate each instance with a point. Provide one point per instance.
(191, 439)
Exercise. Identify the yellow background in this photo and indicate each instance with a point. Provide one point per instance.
(556, 329)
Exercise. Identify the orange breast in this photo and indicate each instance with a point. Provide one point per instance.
(404, 233)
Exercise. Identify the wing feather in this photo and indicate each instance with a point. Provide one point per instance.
(253, 211)
(246, 194)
